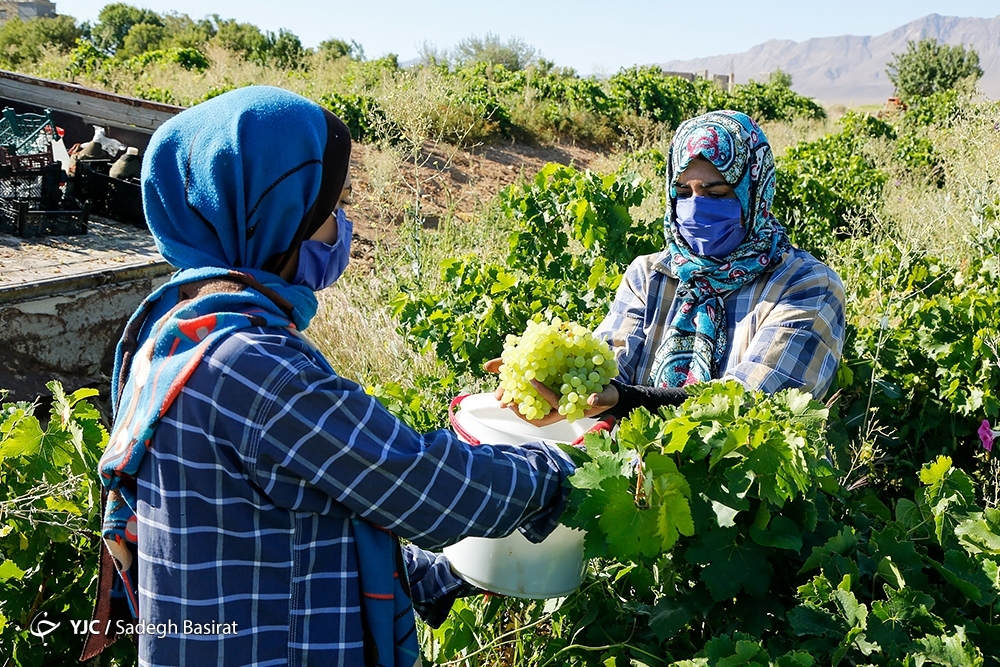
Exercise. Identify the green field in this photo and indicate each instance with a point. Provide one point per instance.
(858, 529)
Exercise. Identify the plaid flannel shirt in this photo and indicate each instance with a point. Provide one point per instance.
(785, 329)
(244, 498)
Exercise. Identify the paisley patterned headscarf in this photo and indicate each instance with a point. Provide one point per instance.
(696, 338)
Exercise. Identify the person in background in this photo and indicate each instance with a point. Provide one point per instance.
(254, 498)
(730, 296)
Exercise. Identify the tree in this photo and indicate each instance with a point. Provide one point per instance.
(928, 67)
(24, 42)
(185, 33)
(245, 39)
(116, 20)
(141, 38)
(337, 48)
(514, 54)
(285, 50)
(779, 78)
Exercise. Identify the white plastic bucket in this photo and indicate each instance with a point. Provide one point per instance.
(512, 565)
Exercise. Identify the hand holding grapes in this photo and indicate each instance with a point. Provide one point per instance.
(560, 354)
(597, 403)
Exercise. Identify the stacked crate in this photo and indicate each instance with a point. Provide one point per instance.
(32, 202)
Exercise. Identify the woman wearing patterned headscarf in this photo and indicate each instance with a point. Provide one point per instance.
(729, 297)
(253, 497)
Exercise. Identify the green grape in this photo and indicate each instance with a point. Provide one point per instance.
(557, 354)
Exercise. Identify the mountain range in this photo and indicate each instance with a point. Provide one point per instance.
(851, 69)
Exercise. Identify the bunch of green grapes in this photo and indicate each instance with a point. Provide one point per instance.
(563, 356)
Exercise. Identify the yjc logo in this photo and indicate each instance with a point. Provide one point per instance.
(42, 628)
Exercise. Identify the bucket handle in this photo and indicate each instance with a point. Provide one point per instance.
(455, 426)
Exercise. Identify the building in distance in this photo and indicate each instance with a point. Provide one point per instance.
(25, 9)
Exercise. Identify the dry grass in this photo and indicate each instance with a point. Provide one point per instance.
(947, 222)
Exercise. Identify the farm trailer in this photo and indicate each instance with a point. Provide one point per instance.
(64, 299)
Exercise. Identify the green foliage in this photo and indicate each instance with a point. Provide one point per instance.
(361, 113)
(285, 50)
(928, 67)
(142, 37)
(825, 185)
(771, 101)
(920, 353)
(189, 59)
(938, 108)
(186, 33)
(85, 59)
(24, 42)
(514, 54)
(647, 93)
(49, 515)
(468, 318)
(115, 21)
(245, 39)
(338, 48)
(423, 407)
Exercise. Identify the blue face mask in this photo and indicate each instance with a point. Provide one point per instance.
(710, 226)
(320, 264)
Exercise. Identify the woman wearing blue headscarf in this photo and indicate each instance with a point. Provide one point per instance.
(253, 497)
(729, 297)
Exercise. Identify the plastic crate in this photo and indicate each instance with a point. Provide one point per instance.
(124, 202)
(26, 133)
(29, 162)
(40, 186)
(114, 198)
(17, 217)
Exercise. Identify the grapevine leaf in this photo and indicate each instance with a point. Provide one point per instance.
(966, 575)
(855, 613)
(809, 620)
(503, 282)
(603, 466)
(933, 474)
(631, 531)
(736, 437)
(673, 511)
(677, 433)
(803, 406)
(781, 533)
(577, 455)
(795, 659)
(638, 430)
(949, 650)
(907, 513)
(725, 516)
(25, 439)
(670, 616)
(10, 570)
(979, 533)
(842, 543)
(730, 565)
(908, 607)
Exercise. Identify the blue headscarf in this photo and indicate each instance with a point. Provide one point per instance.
(231, 187)
(696, 339)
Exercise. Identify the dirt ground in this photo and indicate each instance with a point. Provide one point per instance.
(447, 182)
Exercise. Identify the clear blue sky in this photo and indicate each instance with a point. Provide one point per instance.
(590, 36)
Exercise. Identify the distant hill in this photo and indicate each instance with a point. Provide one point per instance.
(850, 69)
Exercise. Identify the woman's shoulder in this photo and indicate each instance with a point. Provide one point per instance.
(263, 354)
(800, 265)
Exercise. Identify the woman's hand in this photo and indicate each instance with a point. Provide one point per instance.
(597, 403)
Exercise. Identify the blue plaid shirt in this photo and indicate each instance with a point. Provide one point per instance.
(246, 554)
(786, 329)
